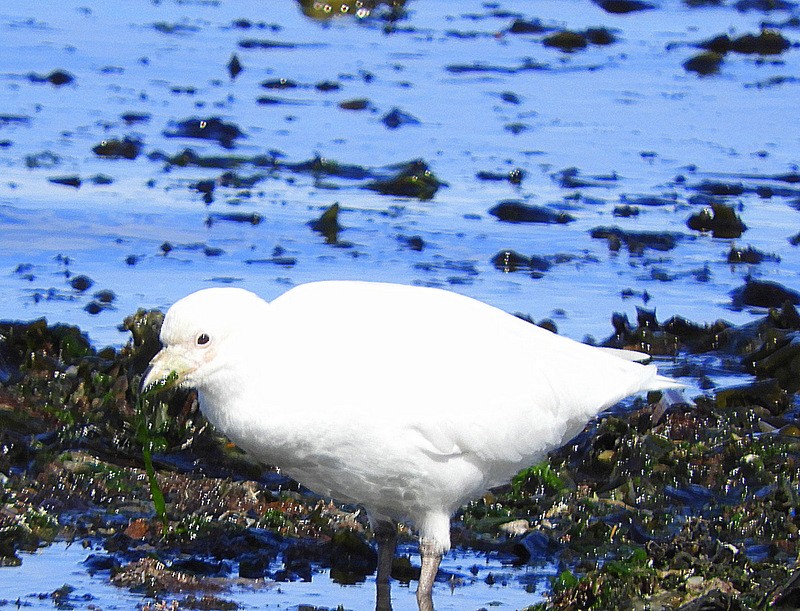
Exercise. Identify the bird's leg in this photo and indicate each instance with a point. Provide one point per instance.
(431, 558)
(386, 536)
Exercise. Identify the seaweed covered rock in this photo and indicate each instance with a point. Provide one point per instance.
(705, 63)
(412, 179)
(749, 255)
(763, 294)
(127, 148)
(328, 224)
(719, 219)
(766, 42)
(82, 397)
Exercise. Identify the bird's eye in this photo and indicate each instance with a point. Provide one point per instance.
(203, 339)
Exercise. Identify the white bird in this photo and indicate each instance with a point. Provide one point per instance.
(408, 401)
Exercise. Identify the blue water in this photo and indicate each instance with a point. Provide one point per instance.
(627, 110)
(60, 564)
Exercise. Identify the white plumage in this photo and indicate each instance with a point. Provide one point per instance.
(409, 401)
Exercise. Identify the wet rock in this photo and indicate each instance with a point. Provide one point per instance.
(621, 7)
(98, 563)
(207, 602)
(412, 179)
(101, 179)
(135, 117)
(483, 68)
(763, 294)
(516, 127)
(715, 600)
(81, 283)
(328, 224)
(206, 187)
(95, 307)
(570, 178)
(127, 148)
(56, 77)
(279, 83)
(212, 128)
(704, 64)
(764, 6)
(510, 261)
(414, 242)
(253, 565)
(234, 66)
(566, 40)
(6, 119)
(278, 257)
(749, 255)
(200, 567)
(522, 26)
(648, 200)
(535, 546)
(767, 42)
(778, 358)
(356, 104)
(238, 181)
(787, 595)
(253, 218)
(257, 43)
(637, 241)
(600, 36)
(152, 577)
(326, 86)
(67, 181)
(711, 187)
(515, 176)
(322, 166)
(352, 557)
(720, 219)
(396, 118)
(626, 211)
(26, 347)
(513, 211)
(403, 571)
(45, 159)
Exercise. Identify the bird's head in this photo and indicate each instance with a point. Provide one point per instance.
(198, 329)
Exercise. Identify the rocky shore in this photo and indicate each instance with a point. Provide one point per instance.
(679, 501)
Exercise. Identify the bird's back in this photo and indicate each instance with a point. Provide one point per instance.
(468, 377)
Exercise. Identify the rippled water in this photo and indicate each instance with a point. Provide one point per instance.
(56, 575)
(626, 119)
(627, 111)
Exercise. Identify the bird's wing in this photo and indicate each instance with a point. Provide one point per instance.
(453, 374)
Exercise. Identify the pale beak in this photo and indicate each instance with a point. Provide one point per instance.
(166, 362)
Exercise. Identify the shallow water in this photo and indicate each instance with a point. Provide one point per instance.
(47, 571)
(628, 117)
(627, 110)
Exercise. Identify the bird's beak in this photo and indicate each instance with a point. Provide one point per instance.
(165, 363)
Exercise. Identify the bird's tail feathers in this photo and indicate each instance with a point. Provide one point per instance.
(659, 382)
